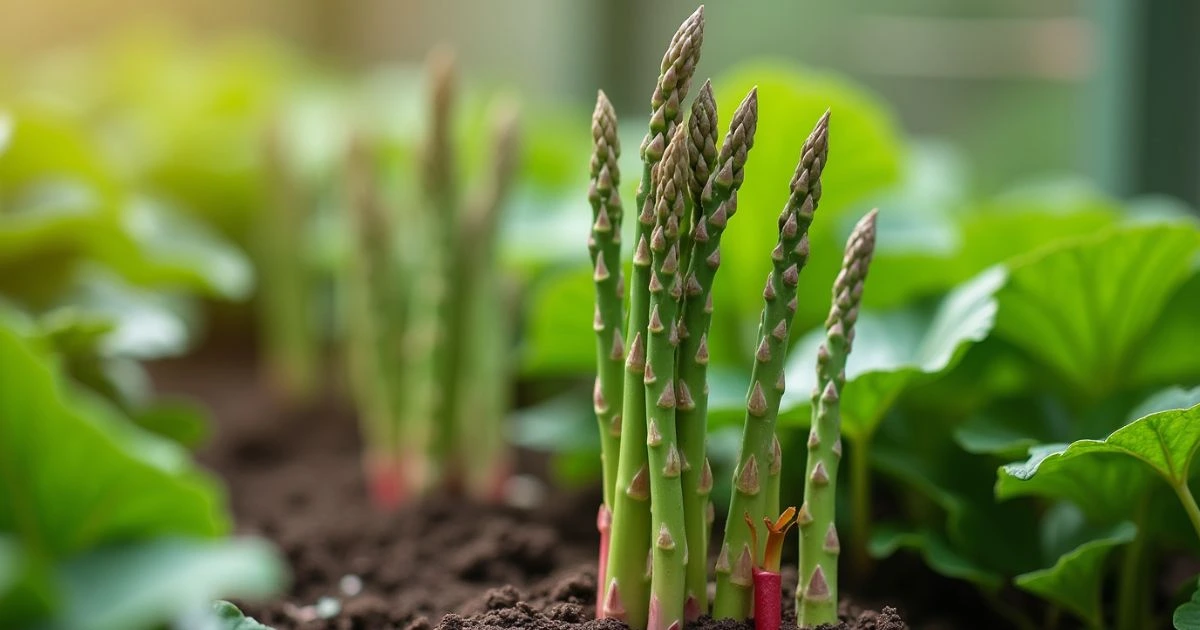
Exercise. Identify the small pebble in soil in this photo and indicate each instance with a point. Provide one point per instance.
(328, 607)
(350, 585)
(524, 492)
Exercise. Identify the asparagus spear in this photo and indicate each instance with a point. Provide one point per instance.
(446, 262)
(292, 346)
(605, 249)
(479, 431)
(627, 591)
(718, 202)
(670, 551)
(424, 390)
(702, 155)
(365, 289)
(816, 596)
(735, 562)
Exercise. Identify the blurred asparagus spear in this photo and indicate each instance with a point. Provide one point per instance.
(292, 344)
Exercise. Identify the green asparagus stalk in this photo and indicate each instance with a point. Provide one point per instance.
(292, 346)
(605, 249)
(366, 291)
(442, 190)
(604, 246)
(479, 425)
(816, 596)
(702, 155)
(425, 389)
(718, 202)
(736, 559)
(670, 551)
(627, 590)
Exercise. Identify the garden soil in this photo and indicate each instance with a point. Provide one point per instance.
(294, 478)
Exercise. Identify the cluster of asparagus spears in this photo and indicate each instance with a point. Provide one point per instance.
(651, 389)
(422, 290)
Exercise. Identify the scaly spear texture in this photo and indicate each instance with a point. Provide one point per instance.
(604, 245)
(670, 550)
(702, 155)
(627, 591)
(816, 595)
(718, 203)
(754, 492)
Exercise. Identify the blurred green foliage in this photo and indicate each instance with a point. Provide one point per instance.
(103, 525)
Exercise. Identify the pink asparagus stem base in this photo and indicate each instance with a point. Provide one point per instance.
(604, 525)
(386, 485)
(768, 596)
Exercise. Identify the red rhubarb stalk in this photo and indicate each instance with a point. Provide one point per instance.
(768, 595)
(768, 584)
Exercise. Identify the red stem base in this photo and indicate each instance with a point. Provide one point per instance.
(385, 483)
(768, 596)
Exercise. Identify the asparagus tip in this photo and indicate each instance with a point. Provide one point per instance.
(441, 66)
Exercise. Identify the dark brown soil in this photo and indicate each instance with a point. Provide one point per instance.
(294, 477)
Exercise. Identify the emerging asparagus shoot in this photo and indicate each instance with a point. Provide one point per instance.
(755, 480)
(626, 585)
(401, 286)
(605, 248)
(816, 595)
(718, 203)
(652, 417)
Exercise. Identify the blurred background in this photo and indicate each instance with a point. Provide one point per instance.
(1109, 89)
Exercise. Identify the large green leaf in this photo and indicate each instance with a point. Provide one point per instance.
(917, 452)
(893, 350)
(1110, 478)
(1084, 308)
(1075, 579)
(104, 526)
(228, 617)
(167, 248)
(558, 334)
(937, 553)
(69, 485)
(1187, 616)
(149, 584)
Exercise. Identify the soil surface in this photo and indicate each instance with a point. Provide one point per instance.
(294, 478)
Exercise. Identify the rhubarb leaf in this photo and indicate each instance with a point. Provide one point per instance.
(1075, 579)
(937, 553)
(1083, 308)
(104, 525)
(1187, 616)
(1107, 478)
(230, 618)
(147, 584)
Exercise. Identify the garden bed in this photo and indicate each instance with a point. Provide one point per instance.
(294, 477)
